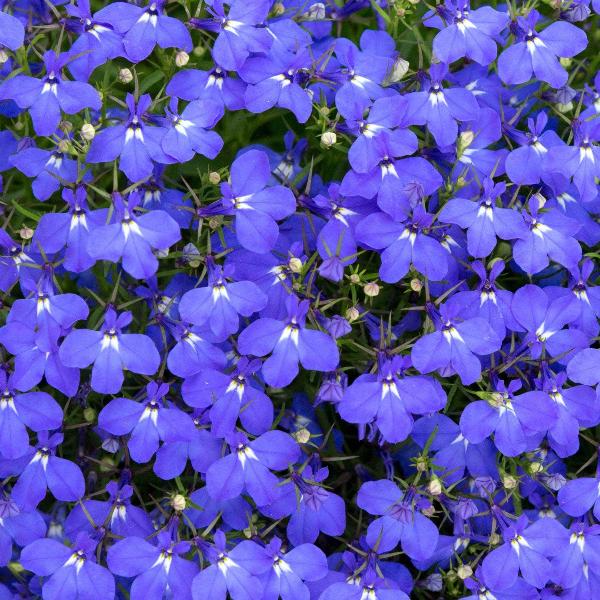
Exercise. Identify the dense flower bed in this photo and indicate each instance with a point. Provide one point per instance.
(298, 300)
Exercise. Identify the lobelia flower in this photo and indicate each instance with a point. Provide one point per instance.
(515, 420)
(544, 318)
(282, 573)
(110, 351)
(157, 567)
(580, 495)
(36, 410)
(227, 574)
(538, 52)
(550, 236)
(248, 465)
(97, 43)
(45, 98)
(312, 508)
(366, 584)
(362, 72)
(143, 28)
(440, 108)
(526, 165)
(147, 422)
(44, 470)
(236, 513)
(488, 301)
(230, 396)
(278, 80)
(70, 230)
(12, 32)
(188, 132)
(117, 514)
(31, 362)
(71, 572)
(485, 219)
(582, 553)
(215, 85)
(220, 303)
(401, 520)
(18, 526)
(131, 237)
(256, 207)
(240, 31)
(48, 168)
(134, 142)
(454, 344)
(398, 184)
(290, 342)
(466, 32)
(388, 398)
(525, 548)
(405, 244)
(580, 161)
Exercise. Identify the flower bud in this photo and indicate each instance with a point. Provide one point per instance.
(416, 285)
(435, 487)
(3, 56)
(328, 139)
(214, 178)
(429, 511)
(316, 12)
(535, 467)
(89, 414)
(302, 436)
(421, 464)
(509, 482)
(464, 571)
(178, 502)
(88, 133)
(26, 233)
(399, 70)
(125, 76)
(63, 146)
(182, 58)
(352, 313)
(278, 9)
(354, 278)
(372, 289)
(495, 539)
(295, 264)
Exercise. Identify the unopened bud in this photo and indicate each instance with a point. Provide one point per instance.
(199, 51)
(464, 571)
(215, 222)
(316, 12)
(465, 140)
(509, 482)
(302, 436)
(214, 178)
(89, 414)
(535, 467)
(26, 233)
(495, 539)
(435, 487)
(399, 69)
(328, 139)
(372, 289)
(352, 313)
(429, 511)
(354, 278)
(125, 76)
(421, 464)
(63, 146)
(278, 9)
(295, 264)
(88, 132)
(416, 285)
(66, 126)
(178, 502)
(182, 58)
(3, 56)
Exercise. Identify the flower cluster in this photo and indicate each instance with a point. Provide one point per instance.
(298, 300)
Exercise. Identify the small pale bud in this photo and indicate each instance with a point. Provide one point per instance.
(3, 56)
(509, 482)
(399, 69)
(214, 178)
(26, 233)
(278, 9)
(421, 464)
(215, 222)
(416, 285)
(535, 467)
(465, 140)
(295, 264)
(88, 132)
(564, 108)
(495, 539)
(125, 76)
(63, 146)
(566, 62)
(464, 571)
(352, 313)
(435, 487)
(15, 567)
(302, 436)
(66, 126)
(182, 58)
(89, 414)
(354, 278)
(316, 12)
(372, 289)
(328, 139)
(429, 511)
(178, 502)
(199, 51)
